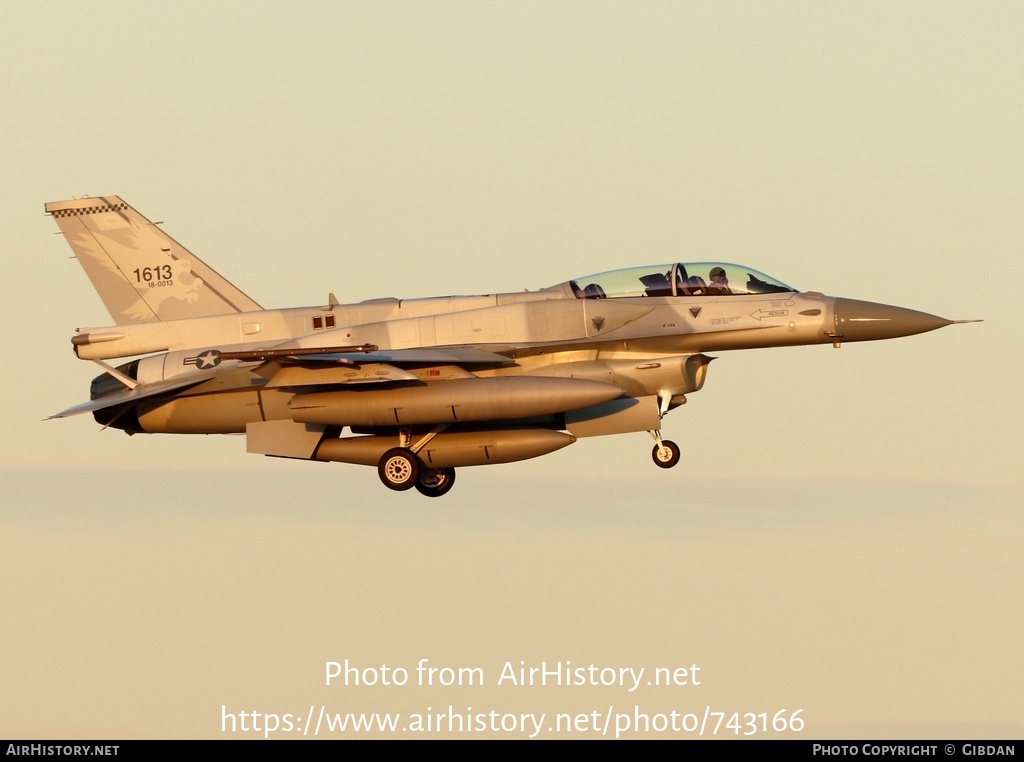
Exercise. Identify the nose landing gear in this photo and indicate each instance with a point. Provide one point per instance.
(666, 453)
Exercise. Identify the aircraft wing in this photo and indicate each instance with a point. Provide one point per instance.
(377, 366)
(355, 356)
(133, 395)
(368, 367)
(462, 356)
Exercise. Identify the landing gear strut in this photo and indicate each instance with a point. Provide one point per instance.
(665, 453)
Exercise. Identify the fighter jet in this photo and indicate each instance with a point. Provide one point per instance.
(420, 387)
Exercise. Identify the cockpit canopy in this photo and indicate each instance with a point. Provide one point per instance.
(679, 279)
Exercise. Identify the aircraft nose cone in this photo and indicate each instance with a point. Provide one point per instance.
(868, 321)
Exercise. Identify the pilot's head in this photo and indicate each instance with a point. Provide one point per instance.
(718, 275)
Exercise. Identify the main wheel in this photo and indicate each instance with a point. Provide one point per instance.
(398, 469)
(434, 482)
(666, 454)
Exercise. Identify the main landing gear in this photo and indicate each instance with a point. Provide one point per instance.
(400, 468)
(434, 482)
(665, 453)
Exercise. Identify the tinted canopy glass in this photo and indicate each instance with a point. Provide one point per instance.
(678, 279)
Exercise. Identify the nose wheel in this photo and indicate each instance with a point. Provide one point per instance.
(666, 453)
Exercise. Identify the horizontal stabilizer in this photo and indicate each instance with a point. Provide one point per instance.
(132, 395)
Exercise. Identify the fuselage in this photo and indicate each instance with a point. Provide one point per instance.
(645, 331)
(518, 323)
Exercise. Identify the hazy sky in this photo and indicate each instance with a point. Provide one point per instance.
(843, 535)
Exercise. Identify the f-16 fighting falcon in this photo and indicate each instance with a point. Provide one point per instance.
(420, 387)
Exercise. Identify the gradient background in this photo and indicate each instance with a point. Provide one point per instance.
(844, 533)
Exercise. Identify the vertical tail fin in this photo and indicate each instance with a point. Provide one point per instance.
(141, 274)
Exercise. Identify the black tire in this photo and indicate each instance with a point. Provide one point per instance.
(398, 469)
(434, 482)
(669, 457)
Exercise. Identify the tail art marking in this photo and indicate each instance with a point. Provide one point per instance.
(142, 274)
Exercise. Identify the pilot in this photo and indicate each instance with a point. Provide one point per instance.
(719, 282)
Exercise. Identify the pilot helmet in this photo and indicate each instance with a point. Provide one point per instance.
(717, 271)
